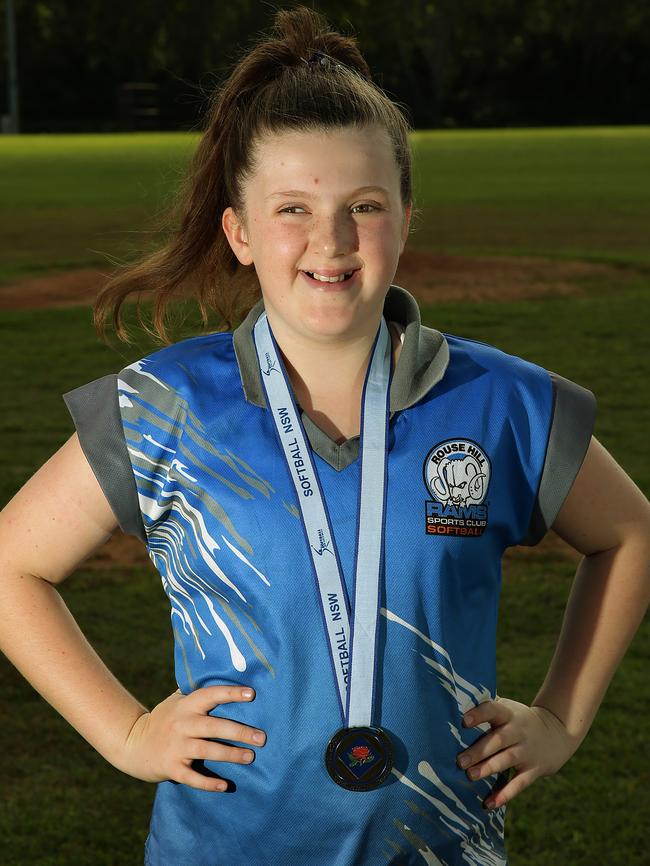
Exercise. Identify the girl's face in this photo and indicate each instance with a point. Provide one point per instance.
(322, 204)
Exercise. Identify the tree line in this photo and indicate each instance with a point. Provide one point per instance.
(104, 66)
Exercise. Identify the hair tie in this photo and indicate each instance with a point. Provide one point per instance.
(318, 59)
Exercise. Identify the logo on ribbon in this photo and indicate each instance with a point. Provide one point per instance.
(324, 544)
(270, 365)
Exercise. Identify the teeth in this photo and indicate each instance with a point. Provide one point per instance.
(338, 279)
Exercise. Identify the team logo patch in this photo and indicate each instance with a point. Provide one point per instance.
(457, 475)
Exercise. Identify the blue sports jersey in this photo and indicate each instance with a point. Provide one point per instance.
(480, 461)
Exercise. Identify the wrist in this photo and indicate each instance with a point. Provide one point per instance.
(576, 728)
(119, 752)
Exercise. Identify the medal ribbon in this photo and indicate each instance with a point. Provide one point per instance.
(356, 701)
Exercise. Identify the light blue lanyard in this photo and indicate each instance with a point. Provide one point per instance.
(357, 711)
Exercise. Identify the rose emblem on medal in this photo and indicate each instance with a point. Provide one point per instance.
(359, 755)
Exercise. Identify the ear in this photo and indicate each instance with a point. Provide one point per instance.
(235, 231)
(405, 226)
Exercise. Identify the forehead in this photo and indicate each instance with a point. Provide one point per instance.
(325, 159)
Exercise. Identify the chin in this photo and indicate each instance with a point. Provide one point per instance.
(329, 326)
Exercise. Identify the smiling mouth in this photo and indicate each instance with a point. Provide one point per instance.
(341, 278)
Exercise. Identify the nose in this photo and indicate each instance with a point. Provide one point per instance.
(335, 235)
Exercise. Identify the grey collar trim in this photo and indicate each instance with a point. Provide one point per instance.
(421, 364)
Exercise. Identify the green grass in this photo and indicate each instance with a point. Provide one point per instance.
(594, 810)
(47, 354)
(556, 193)
(548, 192)
(61, 803)
(76, 201)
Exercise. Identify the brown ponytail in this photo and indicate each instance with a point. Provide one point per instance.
(304, 76)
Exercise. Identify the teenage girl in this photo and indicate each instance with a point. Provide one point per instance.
(326, 493)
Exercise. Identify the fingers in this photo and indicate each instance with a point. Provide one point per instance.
(190, 777)
(515, 786)
(490, 743)
(217, 728)
(206, 699)
(163, 744)
(203, 729)
(198, 750)
(495, 752)
(496, 763)
(496, 712)
(519, 746)
(204, 750)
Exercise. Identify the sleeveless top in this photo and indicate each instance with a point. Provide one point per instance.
(483, 449)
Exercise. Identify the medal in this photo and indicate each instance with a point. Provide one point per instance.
(359, 756)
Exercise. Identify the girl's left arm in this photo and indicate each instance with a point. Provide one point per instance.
(607, 518)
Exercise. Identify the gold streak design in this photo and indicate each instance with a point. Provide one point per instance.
(179, 641)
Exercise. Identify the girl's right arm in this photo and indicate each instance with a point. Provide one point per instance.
(54, 522)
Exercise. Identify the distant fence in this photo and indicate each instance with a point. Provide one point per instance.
(138, 106)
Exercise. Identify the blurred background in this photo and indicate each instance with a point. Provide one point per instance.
(532, 183)
(98, 66)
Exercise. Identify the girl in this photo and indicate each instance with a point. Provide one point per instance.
(326, 492)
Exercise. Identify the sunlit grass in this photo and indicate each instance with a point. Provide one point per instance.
(81, 200)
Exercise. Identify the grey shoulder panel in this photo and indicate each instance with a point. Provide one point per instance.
(572, 424)
(95, 410)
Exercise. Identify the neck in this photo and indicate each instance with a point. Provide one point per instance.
(328, 381)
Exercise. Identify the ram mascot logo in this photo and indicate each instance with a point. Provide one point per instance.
(459, 480)
(457, 474)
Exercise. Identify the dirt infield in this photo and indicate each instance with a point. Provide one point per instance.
(429, 277)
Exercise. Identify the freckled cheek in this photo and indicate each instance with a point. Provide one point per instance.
(383, 239)
(284, 240)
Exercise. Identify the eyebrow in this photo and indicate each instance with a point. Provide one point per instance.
(302, 193)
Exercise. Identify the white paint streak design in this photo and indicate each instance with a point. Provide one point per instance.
(243, 558)
(149, 438)
(180, 468)
(476, 832)
(139, 367)
(124, 386)
(476, 691)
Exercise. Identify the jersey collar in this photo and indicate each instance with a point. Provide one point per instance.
(422, 360)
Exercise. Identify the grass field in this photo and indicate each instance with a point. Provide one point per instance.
(507, 193)
(70, 201)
